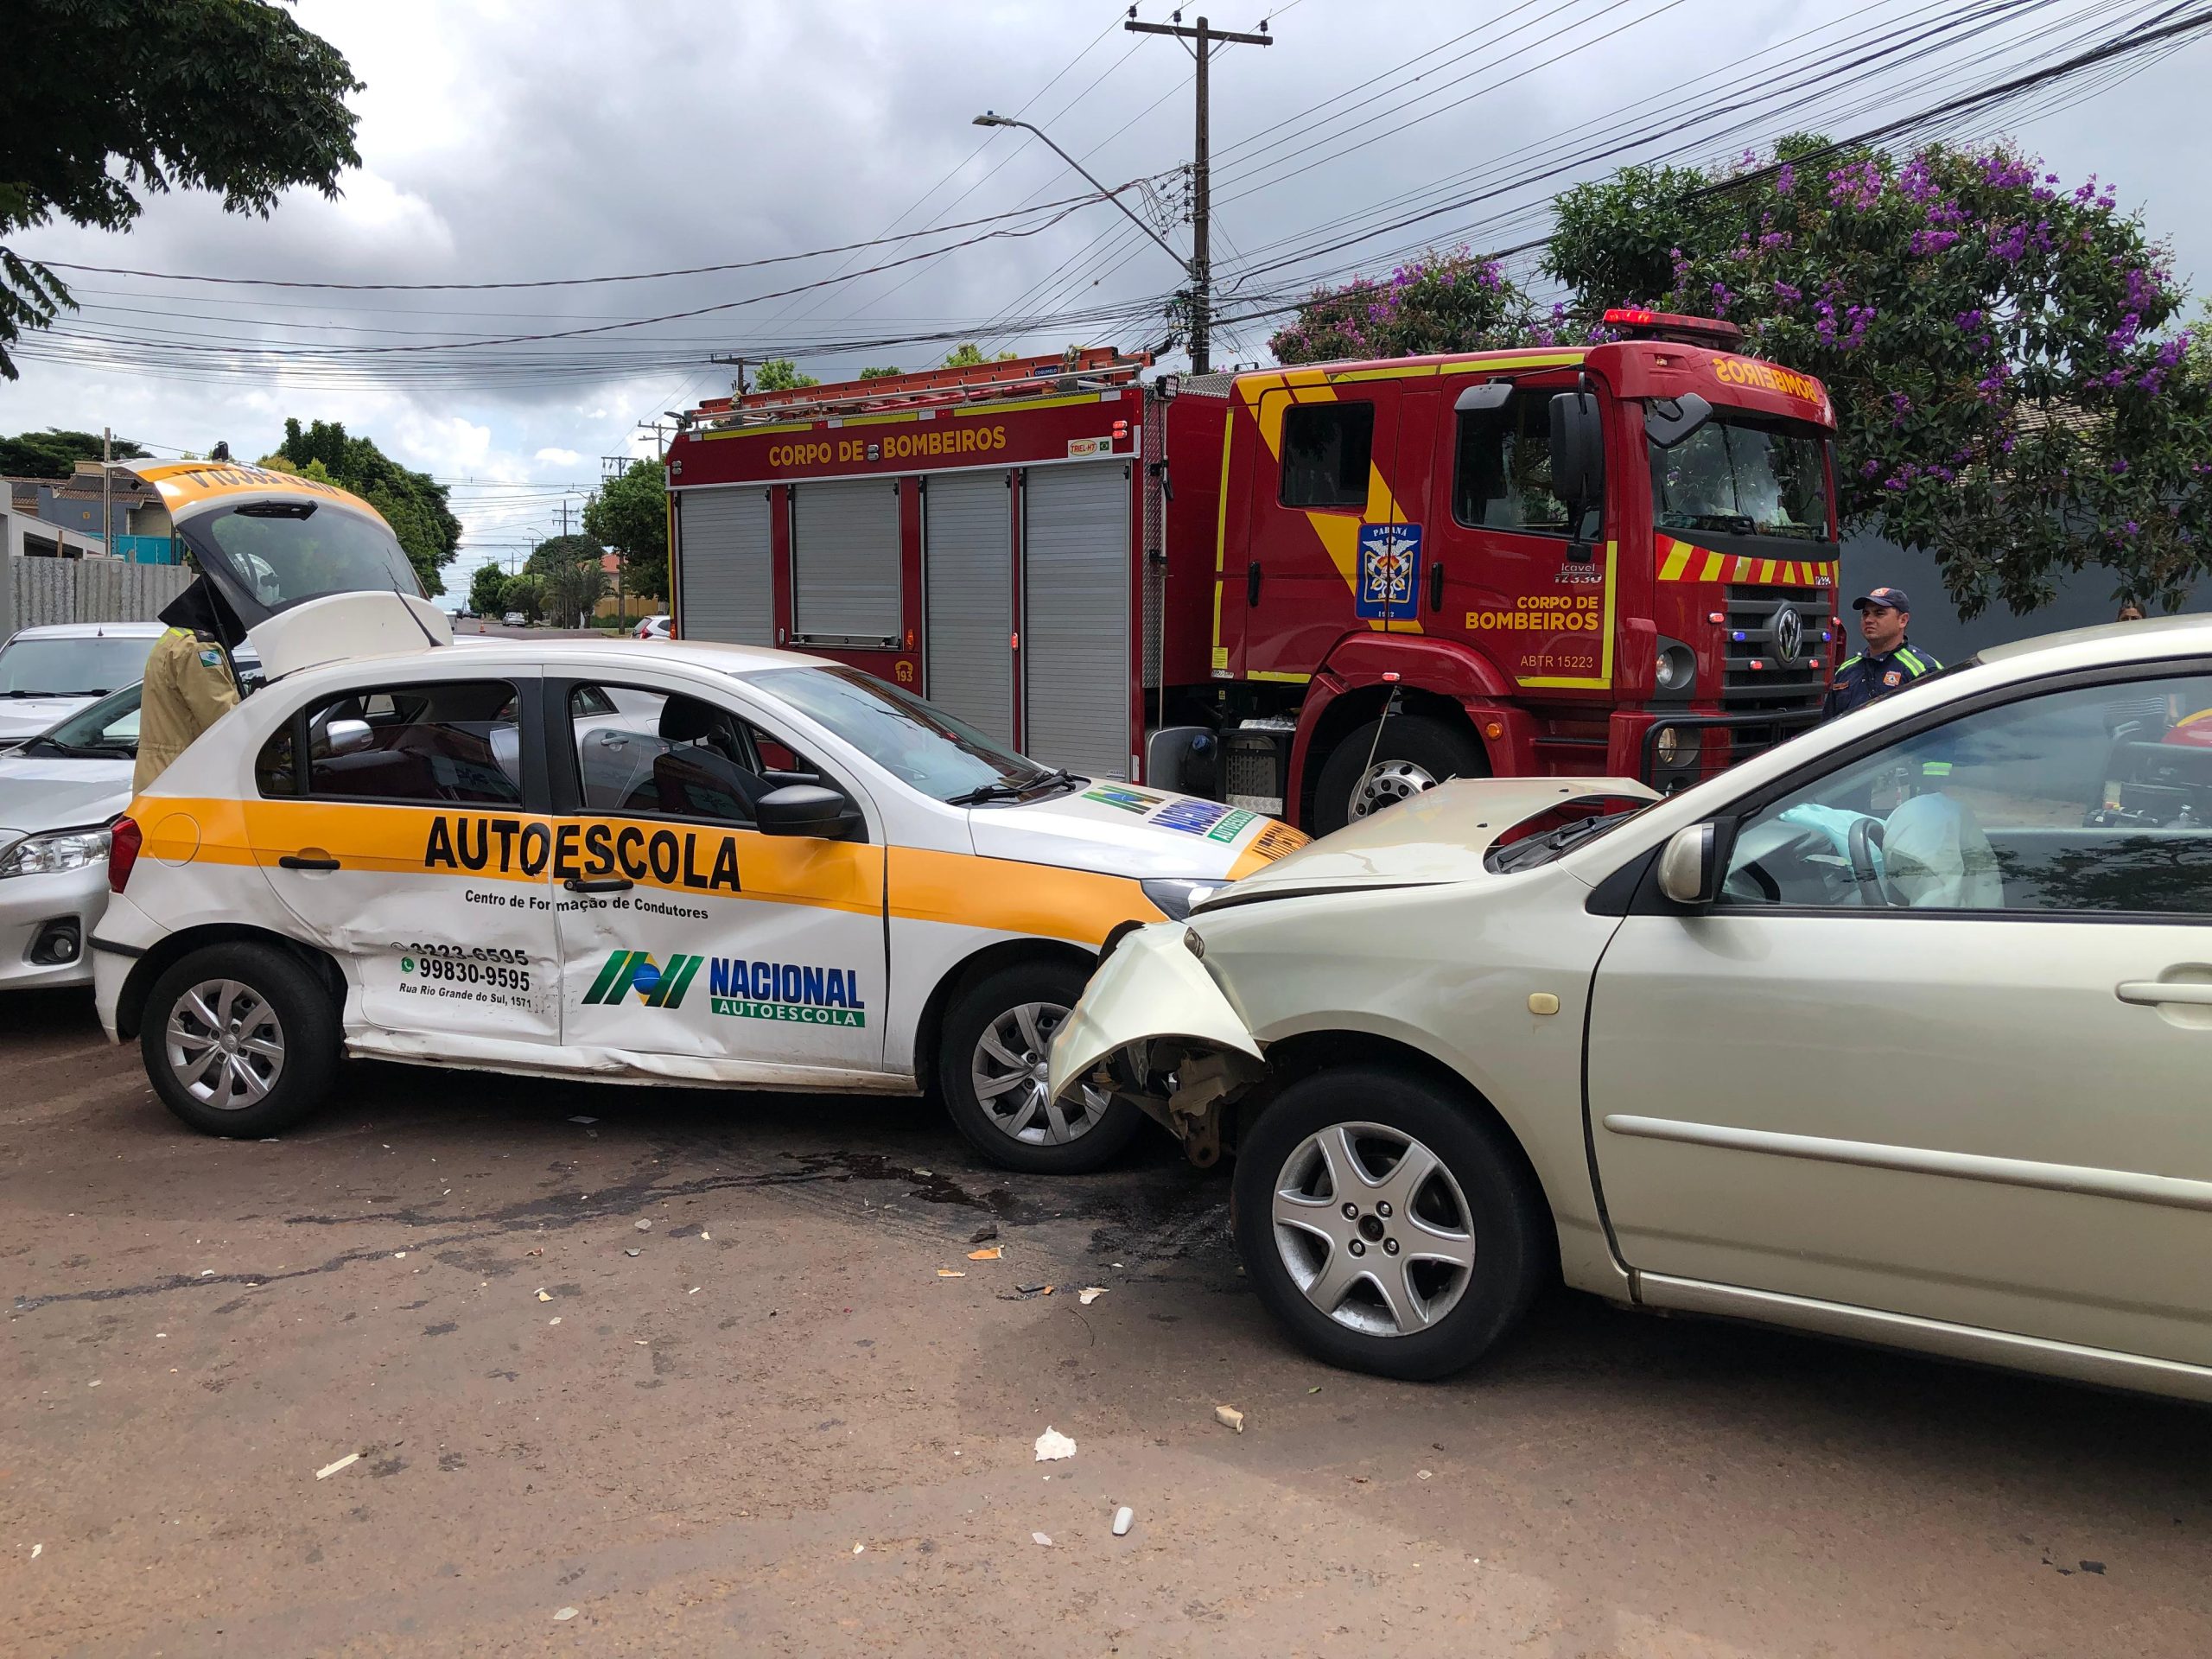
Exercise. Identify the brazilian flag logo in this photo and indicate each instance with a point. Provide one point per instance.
(634, 970)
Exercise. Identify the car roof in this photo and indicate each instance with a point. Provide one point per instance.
(2108, 642)
(92, 631)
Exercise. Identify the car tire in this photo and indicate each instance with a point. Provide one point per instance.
(1414, 754)
(1428, 1277)
(995, 1037)
(282, 1056)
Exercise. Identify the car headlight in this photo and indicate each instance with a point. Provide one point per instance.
(47, 854)
(1175, 894)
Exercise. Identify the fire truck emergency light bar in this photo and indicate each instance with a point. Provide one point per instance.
(1639, 324)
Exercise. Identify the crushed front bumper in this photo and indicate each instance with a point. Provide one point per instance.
(1155, 1028)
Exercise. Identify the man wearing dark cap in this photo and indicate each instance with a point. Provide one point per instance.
(1887, 664)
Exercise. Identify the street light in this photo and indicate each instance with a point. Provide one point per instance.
(988, 119)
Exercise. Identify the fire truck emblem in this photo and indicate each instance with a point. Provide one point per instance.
(1390, 570)
(1789, 635)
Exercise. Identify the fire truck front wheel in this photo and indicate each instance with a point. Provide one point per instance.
(1364, 774)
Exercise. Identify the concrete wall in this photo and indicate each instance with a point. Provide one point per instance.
(2083, 600)
(90, 590)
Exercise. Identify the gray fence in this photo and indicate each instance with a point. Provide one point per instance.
(91, 590)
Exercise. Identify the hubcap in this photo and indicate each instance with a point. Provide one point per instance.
(1386, 784)
(225, 1043)
(1008, 1070)
(1371, 1226)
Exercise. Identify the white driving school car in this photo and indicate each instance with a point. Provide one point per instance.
(1900, 1031)
(693, 863)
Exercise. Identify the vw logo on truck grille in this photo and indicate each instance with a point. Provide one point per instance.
(1788, 629)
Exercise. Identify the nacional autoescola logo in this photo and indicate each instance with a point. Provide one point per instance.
(786, 990)
(635, 970)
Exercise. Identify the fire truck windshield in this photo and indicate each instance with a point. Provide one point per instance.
(1739, 474)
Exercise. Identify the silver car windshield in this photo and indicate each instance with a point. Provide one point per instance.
(71, 668)
(928, 748)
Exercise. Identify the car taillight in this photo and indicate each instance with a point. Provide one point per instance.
(123, 844)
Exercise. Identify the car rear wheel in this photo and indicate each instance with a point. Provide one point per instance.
(1389, 1228)
(991, 1071)
(239, 1039)
(1364, 773)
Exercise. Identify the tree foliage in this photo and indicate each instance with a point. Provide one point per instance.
(526, 593)
(883, 374)
(570, 575)
(103, 102)
(413, 504)
(781, 374)
(969, 355)
(2013, 391)
(55, 453)
(629, 514)
(487, 590)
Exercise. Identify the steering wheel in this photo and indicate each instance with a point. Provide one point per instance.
(1866, 837)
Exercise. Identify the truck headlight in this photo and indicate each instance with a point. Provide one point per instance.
(1676, 670)
(48, 855)
(1175, 894)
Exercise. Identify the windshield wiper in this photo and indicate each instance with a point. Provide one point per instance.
(1058, 778)
(67, 751)
(998, 791)
(53, 694)
(1524, 855)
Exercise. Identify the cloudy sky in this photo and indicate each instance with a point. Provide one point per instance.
(530, 143)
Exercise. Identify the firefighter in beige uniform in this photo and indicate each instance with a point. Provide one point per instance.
(188, 683)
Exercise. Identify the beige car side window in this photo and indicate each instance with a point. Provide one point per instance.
(2096, 799)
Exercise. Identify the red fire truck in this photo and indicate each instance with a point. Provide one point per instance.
(1307, 591)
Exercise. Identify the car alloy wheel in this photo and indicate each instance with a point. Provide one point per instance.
(1373, 1229)
(1007, 1072)
(224, 1045)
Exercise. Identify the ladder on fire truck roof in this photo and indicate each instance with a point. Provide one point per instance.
(1097, 368)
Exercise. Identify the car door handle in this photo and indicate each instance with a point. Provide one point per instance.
(2152, 992)
(600, 884)
(1252, 583)
(307, 861)
(1436, 586)
(613, 739)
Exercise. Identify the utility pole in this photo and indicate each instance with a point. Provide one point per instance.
(107, 490)
(740, 363)
(1201, 171)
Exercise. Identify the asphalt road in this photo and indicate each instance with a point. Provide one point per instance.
(777, 1429)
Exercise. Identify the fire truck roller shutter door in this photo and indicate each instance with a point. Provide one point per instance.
(728, 594)
(845, 560)
(968, 598)
(1076, 587)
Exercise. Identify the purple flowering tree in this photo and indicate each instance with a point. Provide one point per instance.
(1440, 303)
(2014, 390)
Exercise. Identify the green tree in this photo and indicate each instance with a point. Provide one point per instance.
(487, 590)
(781, 374)
(1440, 303)
(55, 453)
(570, 577)
(629, 514)
(2011, 394)
(969, 355)
(526, 593)
(883, 374)
(411, 502)
(104, 101)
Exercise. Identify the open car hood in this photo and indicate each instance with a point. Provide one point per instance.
(1437, 836)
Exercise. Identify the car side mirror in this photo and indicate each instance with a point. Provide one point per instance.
(806, 810)
(347, 737)
(1694, 863)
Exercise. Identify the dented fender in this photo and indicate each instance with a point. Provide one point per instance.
(1154, 989)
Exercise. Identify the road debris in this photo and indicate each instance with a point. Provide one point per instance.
(633, 1252)
(1123, 1517)
(1091, 1294)
(1051, 1446)
(704, 1235)
(951, 1273)
(37, 1550)
(1229, 1417)
(555, 1319)
(858, 1549)
(984, 1234)
(564, 1614)
(990, 1254)
(1423, 1474)
(330, 1468)
(644, 1226)
(399, 1255)
(544, 1296)
(537, 1250)
(1043, 1538)
(583, 1120)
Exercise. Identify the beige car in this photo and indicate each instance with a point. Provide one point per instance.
(1901, 1031)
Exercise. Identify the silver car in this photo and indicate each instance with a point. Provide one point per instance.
(49, 673)
(59, 793)
(1899, 1032)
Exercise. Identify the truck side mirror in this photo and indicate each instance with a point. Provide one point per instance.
(1578, 462)
(1694, 863)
